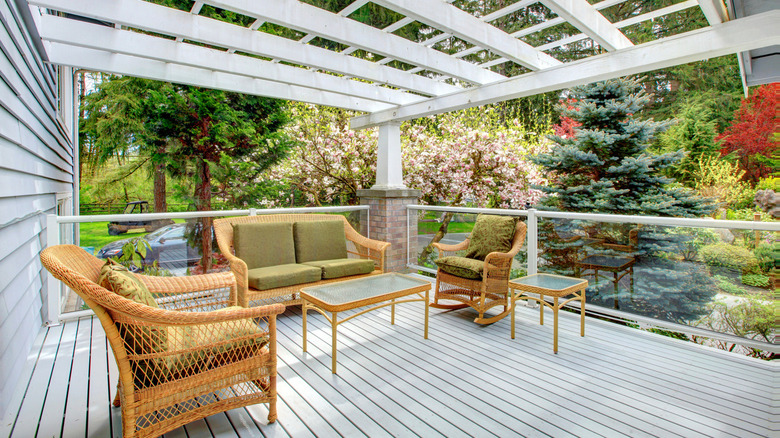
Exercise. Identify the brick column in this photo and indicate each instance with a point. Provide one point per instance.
(388, 222)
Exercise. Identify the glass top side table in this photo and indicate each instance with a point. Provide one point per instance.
(556, 286)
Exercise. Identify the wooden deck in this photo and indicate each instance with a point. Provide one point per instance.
(465, 380)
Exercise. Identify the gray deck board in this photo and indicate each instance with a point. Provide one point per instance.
(465, 380)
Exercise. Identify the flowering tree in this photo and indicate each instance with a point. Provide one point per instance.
(753, 135)
(331, 162)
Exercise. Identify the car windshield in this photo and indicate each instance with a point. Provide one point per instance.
(159, 232)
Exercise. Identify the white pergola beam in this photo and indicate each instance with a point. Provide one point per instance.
(103, 61)
(160, 19)
(343, 30)
(93, 36)
(465, 26)
(583, 16)
(740, 35)
(714, 11)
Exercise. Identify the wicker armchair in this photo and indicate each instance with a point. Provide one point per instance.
(191, 357)
(358, 246)
(481, 294)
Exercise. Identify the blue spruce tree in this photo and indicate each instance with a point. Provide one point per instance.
(606, 168)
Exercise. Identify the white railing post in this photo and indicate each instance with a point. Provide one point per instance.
(253, 212)
(533, 242)
(53, 286)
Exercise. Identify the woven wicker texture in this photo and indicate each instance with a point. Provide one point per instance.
(481, 294)
(357, 247)
(191, 358)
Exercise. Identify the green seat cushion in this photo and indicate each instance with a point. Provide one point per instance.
(237, 339)
(491, 234)
(319, 240)
(343, 267)
(461, 266)
(272, 277)
(264, 244)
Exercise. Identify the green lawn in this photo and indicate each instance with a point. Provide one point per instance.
(453, 227)
(95, 234)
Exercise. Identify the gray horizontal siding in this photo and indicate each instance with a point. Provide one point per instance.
(36, 163)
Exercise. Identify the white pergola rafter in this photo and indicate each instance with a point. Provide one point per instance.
(583, 16)
(159, 19)
(465, 26)
(352, 33)
(714, 11)
(97, 37)
(734, 36)
(100, 60)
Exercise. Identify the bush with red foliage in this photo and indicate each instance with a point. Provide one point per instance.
(751, 137)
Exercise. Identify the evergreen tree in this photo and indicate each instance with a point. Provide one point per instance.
(605, 167)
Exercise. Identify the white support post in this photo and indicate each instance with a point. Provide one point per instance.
(53, 286)
(533, 242)
(389, 172)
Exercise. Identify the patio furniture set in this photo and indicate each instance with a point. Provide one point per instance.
(188, 347)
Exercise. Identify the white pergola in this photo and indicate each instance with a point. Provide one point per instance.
(142, 39)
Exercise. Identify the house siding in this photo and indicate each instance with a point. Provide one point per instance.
(36, 164)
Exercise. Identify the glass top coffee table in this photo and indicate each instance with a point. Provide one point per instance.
(380, 290)
(556, 286)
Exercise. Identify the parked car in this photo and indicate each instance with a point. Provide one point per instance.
(169, 247)
(136, 207)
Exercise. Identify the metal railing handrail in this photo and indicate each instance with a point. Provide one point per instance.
(532, 253)
(54, 237)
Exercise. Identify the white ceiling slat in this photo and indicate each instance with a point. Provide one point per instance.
(343, 30)
(625, 23)
(507, 10)
(465, 26)
(741, 35)
(78, 33)
(160, 19)
(97, 60)
(714, 11)
(583, 16)
(558, 20)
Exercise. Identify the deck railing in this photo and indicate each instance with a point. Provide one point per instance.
(657, 277)
(63, 229)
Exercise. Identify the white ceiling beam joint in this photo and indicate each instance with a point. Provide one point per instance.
(465, 26)
(168, 21)
(749, 33)
(343, 30)
(558, 20)
(583, 16)
(714, 11)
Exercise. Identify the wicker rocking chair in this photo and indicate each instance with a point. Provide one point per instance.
(190, 357)
(480, 286)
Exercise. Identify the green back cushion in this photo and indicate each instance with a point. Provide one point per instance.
(319, 240)
(264, 244)
(461, 266)
(491, 234)
(139, 339)
(119, 280)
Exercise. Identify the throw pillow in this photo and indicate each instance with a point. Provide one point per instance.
(491, 234)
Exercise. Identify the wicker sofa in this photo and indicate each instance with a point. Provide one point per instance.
(258, 250)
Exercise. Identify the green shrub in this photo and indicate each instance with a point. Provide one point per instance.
(729, 256)
(768, 255)
(755, 280)
(726, 286)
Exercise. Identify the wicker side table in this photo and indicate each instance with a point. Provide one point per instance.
(556, 286)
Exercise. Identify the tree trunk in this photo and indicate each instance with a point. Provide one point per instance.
(160, 203)
(437, 237)
(203, 203)
(82, 94)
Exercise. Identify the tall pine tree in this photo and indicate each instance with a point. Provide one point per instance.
(605, 167)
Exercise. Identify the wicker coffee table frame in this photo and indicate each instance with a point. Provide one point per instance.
(577, 289)
(330, 310)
